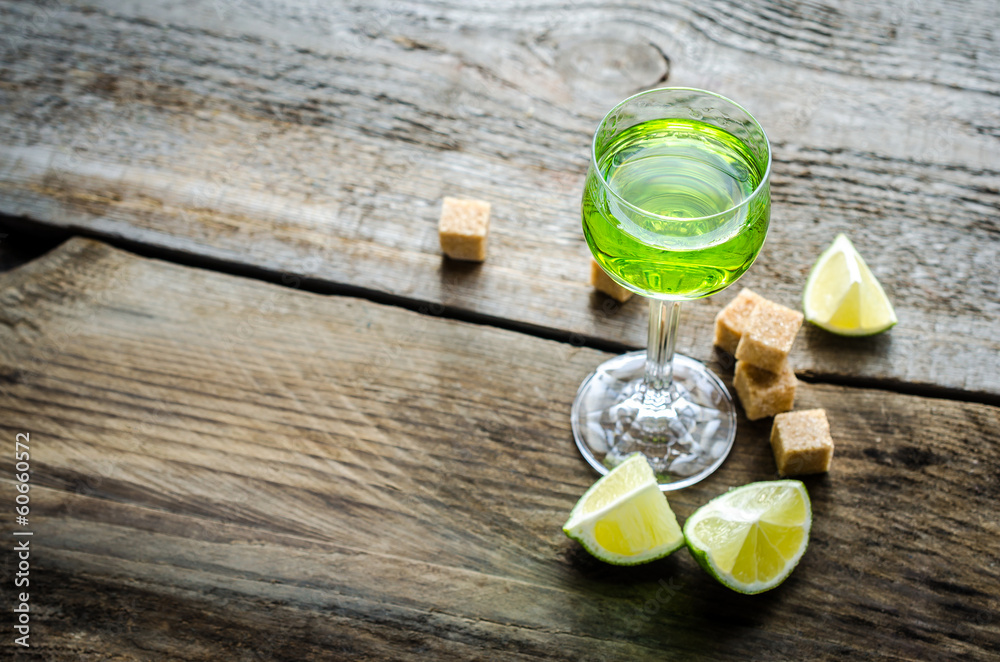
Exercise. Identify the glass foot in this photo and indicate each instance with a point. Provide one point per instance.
(685, 432)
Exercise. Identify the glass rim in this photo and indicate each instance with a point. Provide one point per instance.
(764, 180)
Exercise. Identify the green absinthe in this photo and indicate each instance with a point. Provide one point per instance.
(662, 230)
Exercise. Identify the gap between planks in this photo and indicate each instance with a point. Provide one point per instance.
(55, 235)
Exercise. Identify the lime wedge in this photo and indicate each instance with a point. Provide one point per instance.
(624, 518)
(843, 296)
(752, 537)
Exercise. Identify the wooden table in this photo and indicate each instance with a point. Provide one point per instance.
(268, 421)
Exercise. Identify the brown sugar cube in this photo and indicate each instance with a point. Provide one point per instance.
(801, 442)
(768, 336)
(463, 228)
(602, 282)
(731, 320)
(764, 393)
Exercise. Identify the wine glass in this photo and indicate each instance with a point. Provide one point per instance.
(675, 207)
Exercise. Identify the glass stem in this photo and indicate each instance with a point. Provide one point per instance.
(663, 318)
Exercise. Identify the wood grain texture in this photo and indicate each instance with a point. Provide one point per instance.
(224, 469)
(316, 137)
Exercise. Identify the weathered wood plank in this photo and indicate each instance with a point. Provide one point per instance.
(305, 137)
(225, 468)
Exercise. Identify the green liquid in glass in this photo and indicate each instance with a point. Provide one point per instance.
(680, 169)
